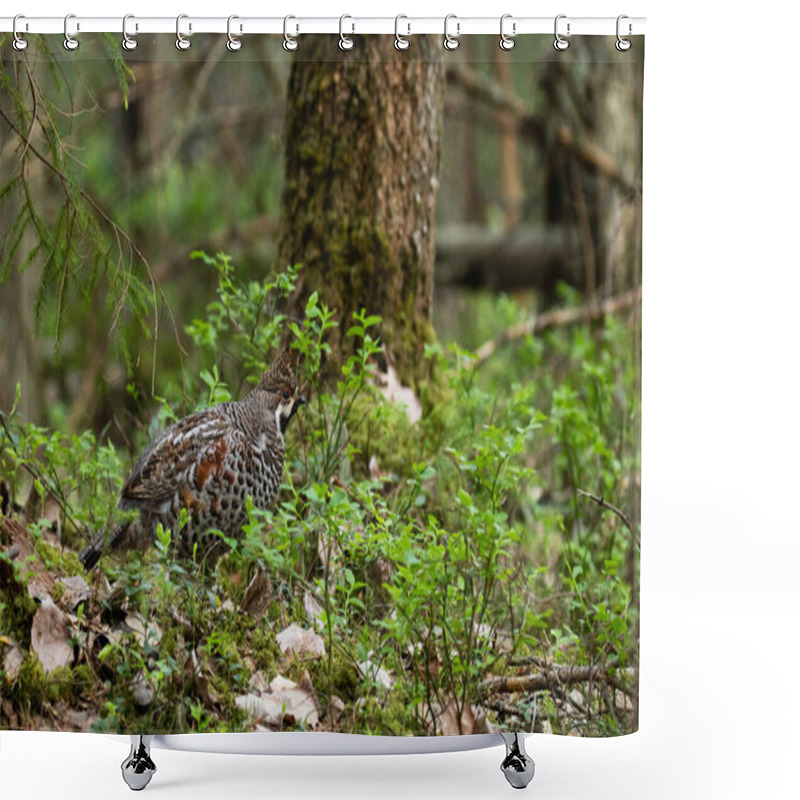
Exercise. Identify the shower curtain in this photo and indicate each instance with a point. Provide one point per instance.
(320, 391)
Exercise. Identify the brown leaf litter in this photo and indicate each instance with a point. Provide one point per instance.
(281, 703)
(51, 636)
(295, 640)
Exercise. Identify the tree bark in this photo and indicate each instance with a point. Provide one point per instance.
(361, 174)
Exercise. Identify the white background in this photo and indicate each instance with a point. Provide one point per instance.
(720, 599)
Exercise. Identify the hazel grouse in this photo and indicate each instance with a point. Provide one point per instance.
(209, 463)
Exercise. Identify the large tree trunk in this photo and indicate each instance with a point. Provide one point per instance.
(361, 173)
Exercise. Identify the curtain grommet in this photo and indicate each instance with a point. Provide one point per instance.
(507, 40)
(345, 42)
(401, 42)
(450, 41)
(560, 43)
(181, 42)
(290, 43)
(70, 42)
(234, 43)
(128, 42)
(622, 44)
(18, 43)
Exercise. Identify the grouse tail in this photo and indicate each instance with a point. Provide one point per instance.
(90, 554)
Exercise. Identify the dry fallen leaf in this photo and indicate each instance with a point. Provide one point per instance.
(258, 683)
(50, 636)
(282, 703)
(144, 630)
(622, 701)
(449, 722)
(375, 673)
(204, 688)
(143, 693)
(77, 592)
(295, 640)
(394, 391)
(257, 596)
(40, 586)
(312, 608)
(14, 535)
(12, 662)
(336, 709)
(250, 703)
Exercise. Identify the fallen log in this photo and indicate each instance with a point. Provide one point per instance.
(529, 257)
(553, 676)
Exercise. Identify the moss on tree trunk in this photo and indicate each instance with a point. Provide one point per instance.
(361, 175)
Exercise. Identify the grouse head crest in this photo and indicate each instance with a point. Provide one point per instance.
(280, 381)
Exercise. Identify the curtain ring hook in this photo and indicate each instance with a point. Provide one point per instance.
(401, 42)
(234, 42)
(560, 42)
(623, 44)
(507, 42)
(182, 43)
(451, 42)
(19, 43)
(345, 42)
(128, 41)
(289, 42)
(70, 42)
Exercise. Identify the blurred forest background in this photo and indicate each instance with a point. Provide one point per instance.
(489, 413)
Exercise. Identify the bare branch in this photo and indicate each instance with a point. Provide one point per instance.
(603, 503)
(535, 128)
(557, 318)
(550, 677)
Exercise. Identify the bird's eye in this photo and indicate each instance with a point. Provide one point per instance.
(287, 392)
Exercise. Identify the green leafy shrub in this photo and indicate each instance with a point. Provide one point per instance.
(443, 556)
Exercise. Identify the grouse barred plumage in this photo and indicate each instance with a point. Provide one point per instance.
(209, 463)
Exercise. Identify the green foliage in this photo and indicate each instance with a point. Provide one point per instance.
(74, 242)
(441, 555)
(242, 326)
(124, 73)
(80, 474)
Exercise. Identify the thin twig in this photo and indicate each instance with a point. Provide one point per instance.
(118, 232)
(556, 318)
(34, 114)
(603, 503)
(536, 126)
